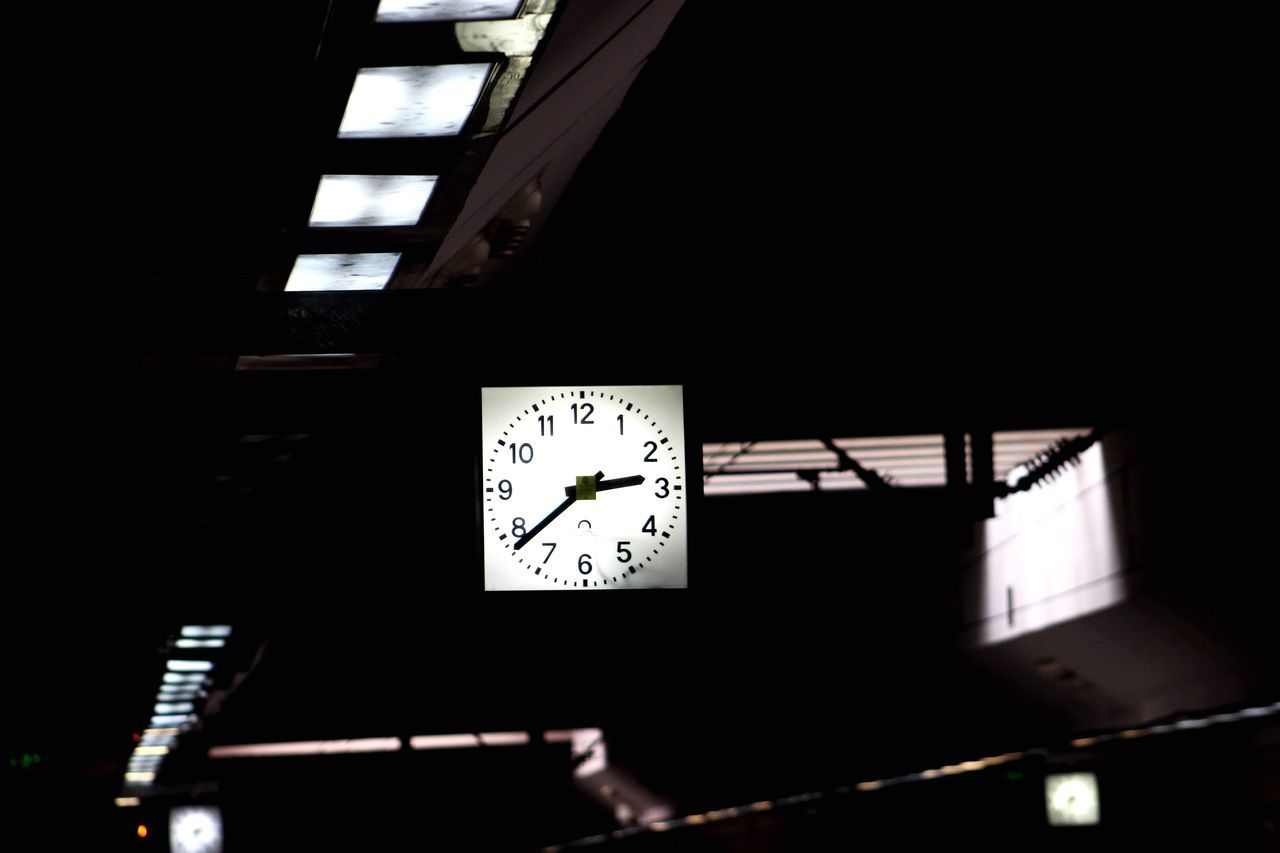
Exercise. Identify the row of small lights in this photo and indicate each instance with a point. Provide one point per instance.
(182, 687)
(394, 102)
(923, 775)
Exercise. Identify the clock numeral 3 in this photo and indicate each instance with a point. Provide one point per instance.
(663, 490)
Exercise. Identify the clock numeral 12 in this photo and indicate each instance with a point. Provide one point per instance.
(587, 411)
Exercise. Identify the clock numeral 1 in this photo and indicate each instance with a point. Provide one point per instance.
(650, 527)
(524, 453)
(620, 432)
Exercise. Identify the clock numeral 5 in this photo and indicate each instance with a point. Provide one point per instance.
(623, 551)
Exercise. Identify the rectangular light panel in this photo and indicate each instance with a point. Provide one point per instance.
(416, 11)
(190, 665)
(206, 630)
(413, 100)
(189, 643)
(370, 271)
(371, 200)
(307, 747)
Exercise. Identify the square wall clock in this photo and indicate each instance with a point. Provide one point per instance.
(583, 487)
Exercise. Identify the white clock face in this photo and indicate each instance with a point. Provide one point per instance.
(195, 829)
(584, 487)
(1071, 799)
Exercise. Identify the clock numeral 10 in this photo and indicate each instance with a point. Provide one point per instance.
(523, 452)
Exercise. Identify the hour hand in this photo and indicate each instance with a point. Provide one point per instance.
(607, 485)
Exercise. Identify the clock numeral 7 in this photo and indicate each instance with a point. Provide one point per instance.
(551, 549)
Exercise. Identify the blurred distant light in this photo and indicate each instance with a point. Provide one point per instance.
(504, 738)
(206, 631)
(151, 750)
(195, 829)
(189, 643)
(413, 100)
(174, 707)
(190, 665)
(869, 786)
(172, 719)
(171, 693)
(159, 732)
(142, 830)
(1071, 799)
(127, 802)
(405, 11)
(183, 678)
(443, 741)
(307, 747)
(158, 740)
(367, 271)
(140, 776)
(371, 200)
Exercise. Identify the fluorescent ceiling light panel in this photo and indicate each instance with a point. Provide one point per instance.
(182, 678)
(172, 719)
(190, 665)
(443, 741)
(415, 11)
(206, 630)
(371, 200)
(504, 738)
(369, 271)
(189, 643)
(174, 708)
(126, 802)
(307, 747)
(413, 100)
(151, 750)
(140, 776)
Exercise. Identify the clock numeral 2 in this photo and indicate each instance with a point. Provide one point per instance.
(653, 448)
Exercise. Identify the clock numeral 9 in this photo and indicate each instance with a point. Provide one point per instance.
(623, 551)
(650, 527)
(504, 490)
(663, 488)
(523, 452)
(517, 526)
(584, 564)
(587, 411)
(653, 448)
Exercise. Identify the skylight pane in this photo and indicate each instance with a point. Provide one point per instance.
(406, 11)
(371, 200)
(413, 100)
(369, 271)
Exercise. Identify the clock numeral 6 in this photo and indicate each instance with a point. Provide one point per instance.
(504, 490)
(650, 527)
(524, 453)
(663, 490)
(624, 556)
(517, 526)
(584, 564)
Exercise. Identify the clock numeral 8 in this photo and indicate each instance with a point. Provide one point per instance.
(517, 526)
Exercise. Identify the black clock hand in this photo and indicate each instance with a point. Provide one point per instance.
(571, 496)
(615, 483)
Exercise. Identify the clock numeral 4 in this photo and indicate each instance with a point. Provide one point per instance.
(650, 527)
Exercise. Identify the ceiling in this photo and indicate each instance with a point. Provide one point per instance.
(884, 224)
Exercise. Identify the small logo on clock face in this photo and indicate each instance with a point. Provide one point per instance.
(583, 487)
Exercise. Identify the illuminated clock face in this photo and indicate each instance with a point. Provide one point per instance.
(1071, 799)
(195, 829)
(584, 487)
